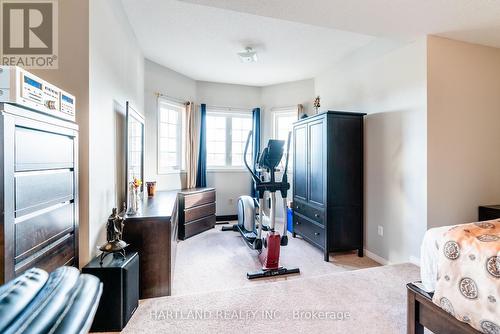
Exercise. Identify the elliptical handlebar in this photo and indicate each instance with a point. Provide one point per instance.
(254, 176)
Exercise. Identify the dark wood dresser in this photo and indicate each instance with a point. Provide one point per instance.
(152, 232)
(328, 181)
(196, 211)
(489, 212)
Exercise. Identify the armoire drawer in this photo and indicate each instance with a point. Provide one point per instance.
(318, 215)
(309, 230)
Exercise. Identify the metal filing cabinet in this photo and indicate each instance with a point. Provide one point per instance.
(38, 191)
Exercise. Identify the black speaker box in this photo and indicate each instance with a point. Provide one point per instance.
(120, 296)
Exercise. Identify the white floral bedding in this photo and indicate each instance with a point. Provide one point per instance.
(468, 278)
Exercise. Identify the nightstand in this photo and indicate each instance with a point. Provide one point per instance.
(120, 294)
(489, 212)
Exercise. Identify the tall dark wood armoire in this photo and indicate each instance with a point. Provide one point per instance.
(328, 181)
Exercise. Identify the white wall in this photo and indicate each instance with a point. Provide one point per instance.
(73, 76)
(159, 79)
(388, 83)
(116, 76)
(228, 95)
(463, 127)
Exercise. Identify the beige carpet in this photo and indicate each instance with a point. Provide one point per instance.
(216, 260)
(360, 301)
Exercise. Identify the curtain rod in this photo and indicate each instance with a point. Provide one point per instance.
(175, 99)
(247, 109)
(283, 108)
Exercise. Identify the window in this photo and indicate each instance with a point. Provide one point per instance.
(227, 134)
(283, 124)
(171, 117)
(241, 126)
(216, 140)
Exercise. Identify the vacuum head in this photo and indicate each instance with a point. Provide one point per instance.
(274, 272)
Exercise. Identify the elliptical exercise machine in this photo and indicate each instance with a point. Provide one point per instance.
(251, 225)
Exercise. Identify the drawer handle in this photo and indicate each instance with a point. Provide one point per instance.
(316, 215)
(316, 234)
(297, 207)
(297, 223)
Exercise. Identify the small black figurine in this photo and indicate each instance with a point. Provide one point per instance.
(114, 232)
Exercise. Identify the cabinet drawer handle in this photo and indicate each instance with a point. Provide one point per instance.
(316, 233)
(316, 215)
(297, 207)
(297, 223)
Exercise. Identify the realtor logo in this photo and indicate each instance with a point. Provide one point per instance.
(29, 33)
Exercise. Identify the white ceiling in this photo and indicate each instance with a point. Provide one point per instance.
(295, 39)
(201, 42)
(476, 21)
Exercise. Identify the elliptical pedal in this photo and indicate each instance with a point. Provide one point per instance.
(265, 228)
(250, 236)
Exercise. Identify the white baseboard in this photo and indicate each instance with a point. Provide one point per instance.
(376, 258)
(413, 260)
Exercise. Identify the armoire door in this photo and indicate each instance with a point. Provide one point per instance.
(300, 162)
(316, 163)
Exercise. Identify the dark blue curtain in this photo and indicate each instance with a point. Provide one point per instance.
(256, 141)
(201, 173)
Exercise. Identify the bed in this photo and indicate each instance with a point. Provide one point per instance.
(429, 256)
(460, 287)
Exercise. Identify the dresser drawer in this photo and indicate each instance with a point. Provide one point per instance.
(59, 253)
(198, 212)
(200, 198)
(309, 230)
(36, 232)
(36, 149)
(39, 190)
(197, 226)
(311, 212)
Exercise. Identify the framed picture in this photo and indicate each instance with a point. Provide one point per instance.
(301, 112)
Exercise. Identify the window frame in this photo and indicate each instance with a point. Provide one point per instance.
(181, 168)
(285, 112)
(228, 113)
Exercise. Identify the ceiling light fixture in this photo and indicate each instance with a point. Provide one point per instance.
(248, 56)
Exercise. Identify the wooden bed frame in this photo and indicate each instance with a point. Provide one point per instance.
(423, 313)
